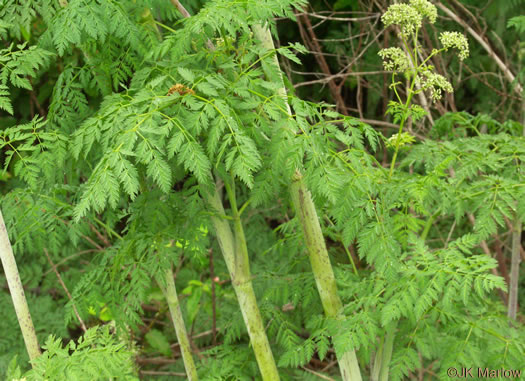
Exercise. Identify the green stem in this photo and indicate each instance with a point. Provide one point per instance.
(514, 269)
(235, 254)
(386, 351)
(384, 354)
(376, 369)
(321, 267)
(350, 257)
(263, 34)
(515, 251)
(315, 243)
(428, 225)
(401, 125)
(17, 293)
(242, 264)
(170, 293)
(319, 259)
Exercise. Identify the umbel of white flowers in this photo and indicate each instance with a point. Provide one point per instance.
(455, 40)
(409, 18)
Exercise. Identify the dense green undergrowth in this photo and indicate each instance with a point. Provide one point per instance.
(139, 146)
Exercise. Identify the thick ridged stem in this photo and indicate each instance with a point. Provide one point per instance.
(265, 37)
(235, 254)
(170, 293)
(319, 259)
(385, 354)
(376, 366)
(515, 258)
(17, 293)
(514, 269)
(321, 267)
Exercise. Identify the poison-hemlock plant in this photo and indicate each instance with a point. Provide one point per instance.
(424, 286)
(166, 138)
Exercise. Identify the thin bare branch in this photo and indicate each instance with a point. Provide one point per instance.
(328, 78)
(332, 18)
(82, 325)
(504, 68)
(181, 8)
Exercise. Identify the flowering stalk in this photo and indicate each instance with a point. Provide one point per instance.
(408, 19)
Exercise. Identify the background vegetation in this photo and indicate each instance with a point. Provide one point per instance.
(144, 141)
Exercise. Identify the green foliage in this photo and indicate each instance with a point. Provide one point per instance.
(517, 22)
(17, 63)
(96, 355)
(34, 151)
(144, 113)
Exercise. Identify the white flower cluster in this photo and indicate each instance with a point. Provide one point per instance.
(426, 8)
(455, 40)
(410, 16)
(436, 83)
(394, 59)
(400, 140)
(407, 17)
